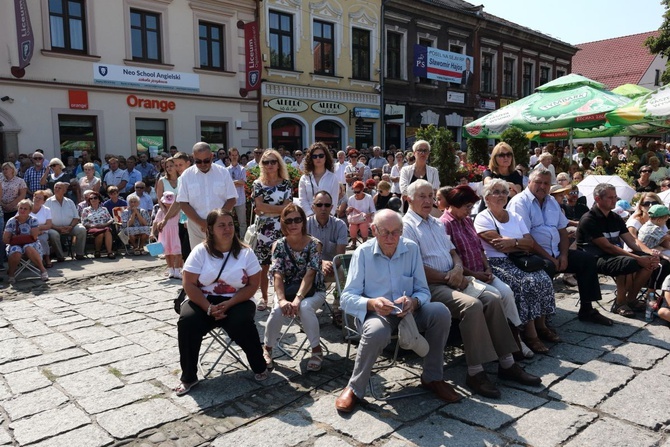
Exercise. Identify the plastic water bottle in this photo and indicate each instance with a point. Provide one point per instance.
(650, 308)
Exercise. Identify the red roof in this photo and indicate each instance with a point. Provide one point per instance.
(622, 60)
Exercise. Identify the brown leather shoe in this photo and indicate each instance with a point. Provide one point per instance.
(480, 384)
(347, 401)
(443, 390)
(517, 374)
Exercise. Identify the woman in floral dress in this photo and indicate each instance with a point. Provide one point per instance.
(136, 224)
(98, 222)
(271, 193)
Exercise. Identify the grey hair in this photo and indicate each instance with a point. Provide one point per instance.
(544, 156)
(601, 188)
(386, 213)
(201, 147)
(492, 184)
(414, 187)
(562, 175)
(418, 143)
(58, 162)
(540, 170)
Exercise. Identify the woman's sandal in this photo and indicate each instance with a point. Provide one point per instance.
(536, 345)
(96, 254)
(111, 255)
(547, 334)
(184, 388)
(623, 309)
(314, 363)
(263, 305)
(267, 356)
(337, 318)
(637, 305)
(48, 264)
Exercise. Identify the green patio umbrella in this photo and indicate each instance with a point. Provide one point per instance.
(571, 101)
(654, 107)
(631, 90)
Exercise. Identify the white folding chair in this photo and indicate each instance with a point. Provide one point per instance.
(26, 264)
(220, 337)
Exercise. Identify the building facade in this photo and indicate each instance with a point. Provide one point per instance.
(448, 62)
(126, 76)
(321, 78)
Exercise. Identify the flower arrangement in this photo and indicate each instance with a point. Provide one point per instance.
(255, 172)
(472, 171)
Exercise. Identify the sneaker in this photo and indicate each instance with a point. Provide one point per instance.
(176, 274)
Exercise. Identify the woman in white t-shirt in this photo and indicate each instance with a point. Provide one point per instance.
(221, 276)
(43, 216)
(504, 232)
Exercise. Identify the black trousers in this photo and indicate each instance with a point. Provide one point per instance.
(185, 243)
(240, 326)
(585, 267)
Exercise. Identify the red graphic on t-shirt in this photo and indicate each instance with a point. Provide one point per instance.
(222, 288)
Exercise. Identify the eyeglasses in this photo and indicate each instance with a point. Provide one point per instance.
(650, 203)
(381, 232)
(292, 220)
(258, 153)
(139, 187)
(358, 191)
(38, 158)
(504, 154)
(574, 193)
(53, 165)
(94, 198)
(646, 170)
(270, 162)
(315, 156)
(205, 161)
(422, 151)
(497, 192)
(319, 205)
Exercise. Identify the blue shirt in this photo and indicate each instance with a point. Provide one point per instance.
(434, 242)
(372, 274)
(148, 171)
(238, 173)
(543, 222)
(134, 176)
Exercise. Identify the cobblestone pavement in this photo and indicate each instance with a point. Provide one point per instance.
(92, 361)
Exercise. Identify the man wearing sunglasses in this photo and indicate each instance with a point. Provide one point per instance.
(36, 175)
(332, 233)
(201, 189)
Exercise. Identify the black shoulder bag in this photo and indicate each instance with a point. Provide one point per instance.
(525, 261)
(181, 296)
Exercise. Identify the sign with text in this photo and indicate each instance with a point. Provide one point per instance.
(24, 33)
(363, 112)
(253, 56)
(445, 66)
(288, 105)
(457, 97)
(144, 77)
(329, 108)
(78, 99)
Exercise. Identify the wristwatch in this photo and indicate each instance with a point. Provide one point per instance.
(299, 295)
(516, 242)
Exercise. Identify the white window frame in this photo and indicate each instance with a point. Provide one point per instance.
(155, 6)
(290, 7)
(366, 20)
(533, 81)
(515, 73)
(403, 49)
(91, 43)
(219, 16)
(494, 69)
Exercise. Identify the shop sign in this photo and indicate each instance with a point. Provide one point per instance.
(122, 75)
(252, 56)
(362, 112)
(488, 104)
(78, 99)
(329, 108)
(394, 113)
(505, 102)
(145, 103)
(457, 97)
(287, 105)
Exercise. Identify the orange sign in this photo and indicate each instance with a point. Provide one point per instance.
(144, 103)
(78, 99)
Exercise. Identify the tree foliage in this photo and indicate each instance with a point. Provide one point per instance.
(442, 153)
(661, 44)
(516, 138)
(478, 151)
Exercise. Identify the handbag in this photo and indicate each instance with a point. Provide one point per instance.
(181, 295)
(523, 260)
(251, 236)
(20, 239)
(291, 289)
(356, 218)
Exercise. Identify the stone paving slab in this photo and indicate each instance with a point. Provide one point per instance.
(17, 349)
(287, 429)
(27, 380)
(135, 418)
(89, 382)
(436, 431)
(656, 334)
(550, 425)
(592, 383)
(93, 360)
(48, 424)
(635, 355)
(32, 403)
(53, 342)
(115, 398)
(615, 434)
(87, 436)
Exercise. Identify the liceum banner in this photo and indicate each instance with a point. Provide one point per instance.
(253, 56)
(24, 33)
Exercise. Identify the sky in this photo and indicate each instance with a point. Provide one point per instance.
(580, 21)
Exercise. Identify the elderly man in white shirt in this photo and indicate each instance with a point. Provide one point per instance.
(202, 188)
(65, 221)
(146, 202)
(484, 328)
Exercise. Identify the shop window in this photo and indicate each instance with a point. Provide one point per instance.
(151, 136)
(281, 40)
(394, 55)
(360, 47)
(322, 46)
(330, 133)
(77, 133)
(145, 32)
(67, 24)
(487, 73)
(211, 46)
(287, 132)
(215, 133)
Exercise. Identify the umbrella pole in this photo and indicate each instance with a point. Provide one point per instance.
(570, 143)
